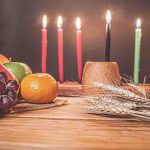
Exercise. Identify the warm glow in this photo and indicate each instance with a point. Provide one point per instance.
(78, 23)
(108, 17)
(138, 23)
(44, 21)
(59, 22)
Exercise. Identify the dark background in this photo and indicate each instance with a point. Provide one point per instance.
(20, 32)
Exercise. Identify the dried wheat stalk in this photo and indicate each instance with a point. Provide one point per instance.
(111, 106)
(140, 91)
(119, 111)
(115, 100)
(136, 88)
(126, 94)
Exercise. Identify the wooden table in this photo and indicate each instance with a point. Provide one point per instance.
(70, 127)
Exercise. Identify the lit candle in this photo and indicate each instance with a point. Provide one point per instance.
(79, 48)
(60, 50)
(44, 44)
(108, 36)
(138, 35)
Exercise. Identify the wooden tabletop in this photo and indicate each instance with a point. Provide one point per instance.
(70, 127)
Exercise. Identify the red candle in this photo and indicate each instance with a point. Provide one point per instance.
(79, 48)
(44, 44)
(60, 50)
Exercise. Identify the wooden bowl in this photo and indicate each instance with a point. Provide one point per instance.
(104, 72)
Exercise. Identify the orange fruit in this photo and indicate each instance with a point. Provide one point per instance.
(3, 59)
(39, 88)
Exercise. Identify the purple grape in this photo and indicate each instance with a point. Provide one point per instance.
(3, 77)
(2, 87)
(12, 85)
(13, 95)
(6, 104)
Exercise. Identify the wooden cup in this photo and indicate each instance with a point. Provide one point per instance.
(104, 72)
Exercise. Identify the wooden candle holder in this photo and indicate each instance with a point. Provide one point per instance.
(102, 72)
(75, 89)
(105, 72)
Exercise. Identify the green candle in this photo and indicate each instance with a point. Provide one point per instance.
(138, 35)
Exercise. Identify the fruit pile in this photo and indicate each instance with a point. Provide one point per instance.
(8, 93)
(17, 77)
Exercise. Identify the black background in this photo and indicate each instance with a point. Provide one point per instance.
(20, 32)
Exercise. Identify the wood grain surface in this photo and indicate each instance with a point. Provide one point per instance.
(70, 127)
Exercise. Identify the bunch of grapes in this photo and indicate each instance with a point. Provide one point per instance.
(8, 93)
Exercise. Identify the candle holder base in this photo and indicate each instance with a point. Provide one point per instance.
(104, 72)
(70, 89)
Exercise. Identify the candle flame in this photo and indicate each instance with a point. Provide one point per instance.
(138, 23)
(59, 22)
(108, 17)
(44, 21)
(78, 23)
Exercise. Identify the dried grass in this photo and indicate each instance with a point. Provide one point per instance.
(111, 99)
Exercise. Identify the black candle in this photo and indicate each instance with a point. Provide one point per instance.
(108, 36)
